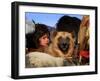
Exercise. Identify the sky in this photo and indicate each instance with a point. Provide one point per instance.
(47, 18)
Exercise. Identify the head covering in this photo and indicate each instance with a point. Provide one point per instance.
(67, 23)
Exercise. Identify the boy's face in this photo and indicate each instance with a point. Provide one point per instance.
(44, 40)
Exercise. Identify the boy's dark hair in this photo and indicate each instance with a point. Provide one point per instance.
(33, 38)
(40, 30)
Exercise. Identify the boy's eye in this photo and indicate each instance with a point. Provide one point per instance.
(44, 37)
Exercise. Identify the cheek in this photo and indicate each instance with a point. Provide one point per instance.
(43, 41)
